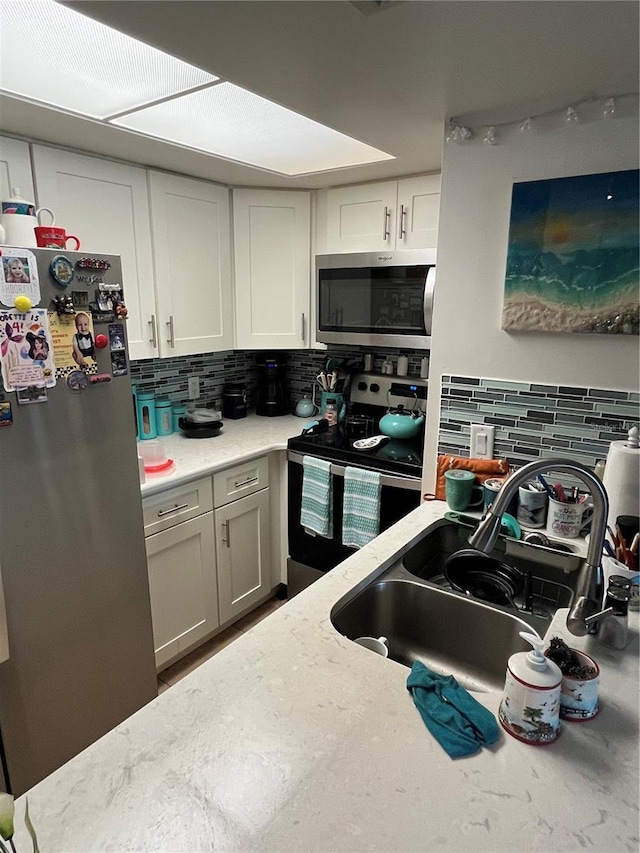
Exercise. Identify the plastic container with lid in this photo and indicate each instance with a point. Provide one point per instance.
(164, 419)
(530, 706)
(146, 415)
(156, 461)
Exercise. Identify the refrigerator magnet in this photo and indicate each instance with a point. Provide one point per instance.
(119, 362)
(32, 394)
(116, 336)
(77, 381)
(61, 270)
(6, 414)
(73, 342)
(18, 276)
(25, 350)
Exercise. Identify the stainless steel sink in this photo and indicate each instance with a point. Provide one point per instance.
(450, 632)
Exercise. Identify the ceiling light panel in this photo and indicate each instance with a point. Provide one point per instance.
(56, 56)
(230, 122)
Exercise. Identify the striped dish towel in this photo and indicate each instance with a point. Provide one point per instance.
(316, 512)
(361, 509)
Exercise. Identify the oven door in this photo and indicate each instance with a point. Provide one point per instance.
(311, 556)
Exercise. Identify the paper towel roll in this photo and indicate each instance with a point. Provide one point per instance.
(622, 480)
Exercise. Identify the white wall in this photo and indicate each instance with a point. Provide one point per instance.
(472, 245)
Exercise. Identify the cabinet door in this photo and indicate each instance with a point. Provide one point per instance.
(192, 263)
(183, 586)
(417, 212)
(243, 554)
(362, 218)
(15, 168)
(106, 205)
(272, 250)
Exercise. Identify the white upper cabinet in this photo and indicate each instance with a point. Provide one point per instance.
(15, 169)
(192, 263)
(106, 205)
(272, 246)
(388, 215)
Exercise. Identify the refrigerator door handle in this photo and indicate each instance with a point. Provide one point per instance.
(4, 634)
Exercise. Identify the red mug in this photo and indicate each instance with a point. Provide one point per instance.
(52, 237)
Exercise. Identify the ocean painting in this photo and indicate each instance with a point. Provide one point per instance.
(572, 260)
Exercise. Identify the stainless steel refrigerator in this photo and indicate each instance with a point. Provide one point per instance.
(72, 556)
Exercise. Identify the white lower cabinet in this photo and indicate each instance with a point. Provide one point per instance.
(181, 562)
(209, 555)
(243, 554)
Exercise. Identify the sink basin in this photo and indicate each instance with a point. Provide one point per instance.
(408, 602)
(450, 634)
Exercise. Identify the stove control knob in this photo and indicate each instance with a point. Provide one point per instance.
(362, 386)
(374, 387)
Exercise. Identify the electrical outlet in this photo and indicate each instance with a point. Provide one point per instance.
(194, 387)
(482, 436)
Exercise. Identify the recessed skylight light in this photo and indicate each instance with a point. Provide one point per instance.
(56, 56)
(53, 55)
(238, 125)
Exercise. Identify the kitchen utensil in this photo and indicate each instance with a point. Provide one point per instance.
(155, 459)
(483, 577)
(202, 416)
(370, 443)
(401, 423)
(529, 710)
(532, 504)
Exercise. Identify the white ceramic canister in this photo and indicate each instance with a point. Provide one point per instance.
(530, 706)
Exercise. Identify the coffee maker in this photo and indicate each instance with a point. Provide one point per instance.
(272, 391)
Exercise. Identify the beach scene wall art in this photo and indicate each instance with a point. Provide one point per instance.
(573, 252)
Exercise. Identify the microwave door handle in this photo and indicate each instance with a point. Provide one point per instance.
(429, 294)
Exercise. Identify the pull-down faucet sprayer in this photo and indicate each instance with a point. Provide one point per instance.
(587, 606)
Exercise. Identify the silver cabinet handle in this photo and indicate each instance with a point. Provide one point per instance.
(246, 482)
(175, 508)
(226, 538)
(154, 336)
(385, 225)
(403, 214)
(302, 326)
(171, 340)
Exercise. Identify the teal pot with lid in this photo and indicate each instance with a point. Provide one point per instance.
(400, 423)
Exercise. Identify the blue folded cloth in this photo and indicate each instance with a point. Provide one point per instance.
(361, 507)
(316, 511)
(459, 723)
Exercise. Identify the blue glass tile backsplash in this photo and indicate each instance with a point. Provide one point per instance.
(168, 377)
(534, 420)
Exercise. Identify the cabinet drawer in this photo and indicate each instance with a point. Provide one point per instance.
(240, 480)
(175, 505)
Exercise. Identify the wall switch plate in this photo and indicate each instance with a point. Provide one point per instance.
(194, 387)
(482, 436)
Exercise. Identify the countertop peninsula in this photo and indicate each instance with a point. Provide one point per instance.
(293, 738)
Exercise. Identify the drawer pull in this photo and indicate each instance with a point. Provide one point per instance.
(173, 509)
(249, 482)
(226, 538)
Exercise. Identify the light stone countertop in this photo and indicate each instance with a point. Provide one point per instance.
(295, 739)
(238, 441)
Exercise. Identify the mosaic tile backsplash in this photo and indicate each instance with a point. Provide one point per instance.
(168, 377)
(534, 421)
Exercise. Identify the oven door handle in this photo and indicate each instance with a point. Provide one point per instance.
(411, 483)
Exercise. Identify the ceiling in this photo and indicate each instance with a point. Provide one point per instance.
(387, 73)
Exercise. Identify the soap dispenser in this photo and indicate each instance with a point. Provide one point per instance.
(530, 706)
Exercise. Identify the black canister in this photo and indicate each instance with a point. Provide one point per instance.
(234, 401)
(272, 390)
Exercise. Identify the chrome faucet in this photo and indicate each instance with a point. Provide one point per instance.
(587, 606)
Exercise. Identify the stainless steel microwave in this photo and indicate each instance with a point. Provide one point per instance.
(376, 298)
